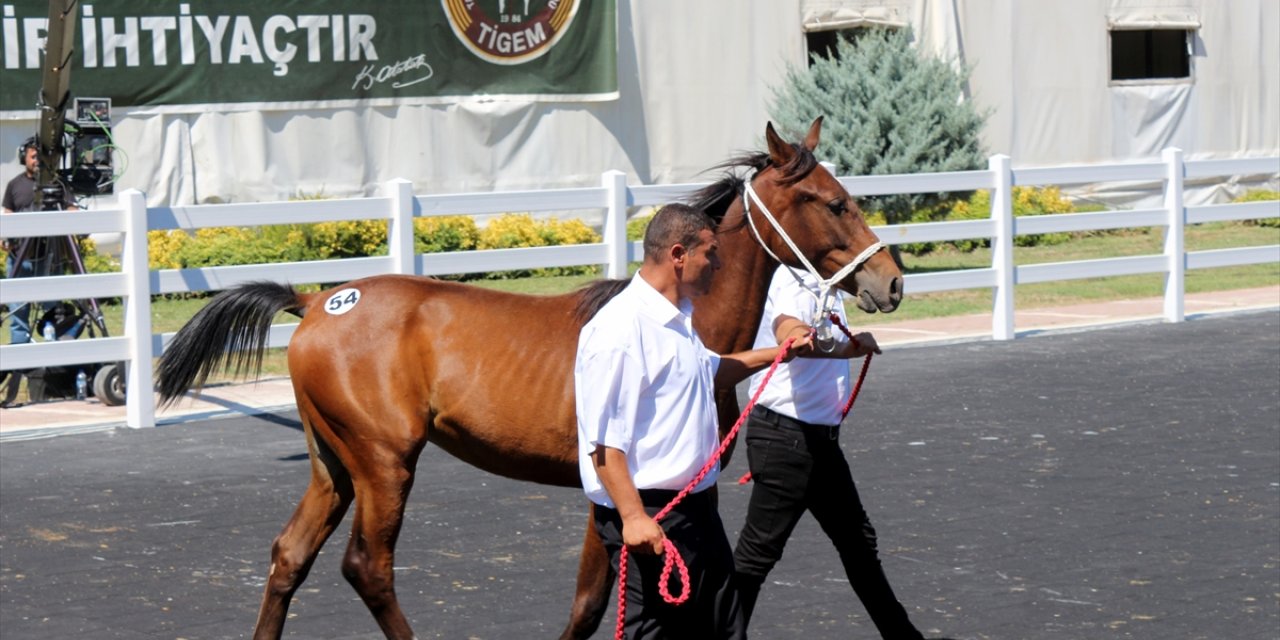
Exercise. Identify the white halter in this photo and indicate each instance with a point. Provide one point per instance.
(826, 287)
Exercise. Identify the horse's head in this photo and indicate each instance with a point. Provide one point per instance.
(822, 221)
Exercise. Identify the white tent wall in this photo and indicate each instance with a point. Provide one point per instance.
(1047, 79)
(695, 80)
(1056, 105)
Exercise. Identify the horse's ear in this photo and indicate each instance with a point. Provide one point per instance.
(815, 131)
(780, 153)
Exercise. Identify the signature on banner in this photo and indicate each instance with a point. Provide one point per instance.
(370, 75)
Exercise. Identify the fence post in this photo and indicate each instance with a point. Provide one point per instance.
(1002, 248)
(615, 223)
(140, 404)
(400, 226)
(1174, 237)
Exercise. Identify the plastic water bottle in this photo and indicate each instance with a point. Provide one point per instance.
(82, 385)
(49, 333)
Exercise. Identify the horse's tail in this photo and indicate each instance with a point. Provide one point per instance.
(233, 328)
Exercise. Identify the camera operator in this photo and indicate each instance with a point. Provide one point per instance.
(37, 259)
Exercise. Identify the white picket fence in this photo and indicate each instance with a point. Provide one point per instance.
(398, 204)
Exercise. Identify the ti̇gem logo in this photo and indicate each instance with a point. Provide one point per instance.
(510, 31)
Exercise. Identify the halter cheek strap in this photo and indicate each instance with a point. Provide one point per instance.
(825, 286)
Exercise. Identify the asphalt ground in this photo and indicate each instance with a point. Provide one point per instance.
(1111, 483)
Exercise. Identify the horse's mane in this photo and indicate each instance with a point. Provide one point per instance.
(715, 198)
(593, 295)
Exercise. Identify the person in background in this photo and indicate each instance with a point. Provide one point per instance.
(796, 462)
(20, 196)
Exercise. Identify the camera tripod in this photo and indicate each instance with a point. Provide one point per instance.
(60, 320)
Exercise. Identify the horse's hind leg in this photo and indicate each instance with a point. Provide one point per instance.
(381, 494)
(595, 579)
(320, 511)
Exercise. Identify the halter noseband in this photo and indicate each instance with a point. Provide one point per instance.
(825, 286)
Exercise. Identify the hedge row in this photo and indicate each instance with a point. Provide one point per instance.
(176, 249)
(1259, 195)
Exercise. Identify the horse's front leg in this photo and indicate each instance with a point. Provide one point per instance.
(595, 581)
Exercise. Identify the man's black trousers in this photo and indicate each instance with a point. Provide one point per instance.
(797, 467)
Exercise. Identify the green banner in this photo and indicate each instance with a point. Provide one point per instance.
(172, 54)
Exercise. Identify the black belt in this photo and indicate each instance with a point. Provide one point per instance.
(663, 497)
(769, 416)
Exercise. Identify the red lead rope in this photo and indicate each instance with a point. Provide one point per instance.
(671, 555)
(853, 395)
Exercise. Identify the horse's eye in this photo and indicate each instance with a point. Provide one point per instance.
(837, 207)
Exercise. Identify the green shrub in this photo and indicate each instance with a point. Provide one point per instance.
(222, 246)
(888, 110)
(637, 226)
(1261, 195)
(95, 262)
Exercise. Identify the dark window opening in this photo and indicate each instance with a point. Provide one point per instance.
(1150, 54)
(823, 43)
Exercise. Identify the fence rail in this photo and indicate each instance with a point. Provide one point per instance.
(136, 283)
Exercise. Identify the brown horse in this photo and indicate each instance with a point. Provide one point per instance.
(380, 366)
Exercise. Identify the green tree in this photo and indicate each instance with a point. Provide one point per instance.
(889, 110)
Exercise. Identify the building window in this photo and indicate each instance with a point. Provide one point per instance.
(823, 43)
(826, 22)
(1150, 54)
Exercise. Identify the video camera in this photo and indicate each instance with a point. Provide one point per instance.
(86, 163)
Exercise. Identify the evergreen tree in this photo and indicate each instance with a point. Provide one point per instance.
(889, 110)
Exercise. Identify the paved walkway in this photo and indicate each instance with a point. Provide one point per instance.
(274, 394)
(1117, 484)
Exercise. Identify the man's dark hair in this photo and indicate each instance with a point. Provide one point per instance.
(29, 143)
(674, 224)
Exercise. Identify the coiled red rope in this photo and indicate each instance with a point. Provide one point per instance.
(671, 556)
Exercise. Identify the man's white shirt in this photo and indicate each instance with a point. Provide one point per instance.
(811, 390)
(644, 384)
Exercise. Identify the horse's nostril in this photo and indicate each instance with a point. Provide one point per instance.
(895, 287)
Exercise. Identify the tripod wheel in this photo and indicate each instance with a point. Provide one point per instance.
(108, 385)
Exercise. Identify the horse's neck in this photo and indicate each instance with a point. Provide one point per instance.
(728, 317)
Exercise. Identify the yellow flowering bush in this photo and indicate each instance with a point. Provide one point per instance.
(1027, 201)
(163, 248)
(514, 230)
(440, 234)
(347, 238)
(219, 246)
(518, 230)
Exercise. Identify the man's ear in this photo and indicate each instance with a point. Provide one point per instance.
(678, 254)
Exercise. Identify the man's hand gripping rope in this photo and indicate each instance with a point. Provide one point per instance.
(671, 556)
